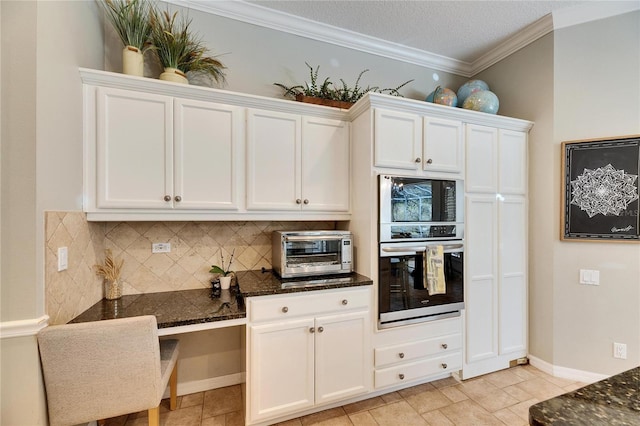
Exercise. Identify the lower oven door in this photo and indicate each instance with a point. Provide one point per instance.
(402, 294)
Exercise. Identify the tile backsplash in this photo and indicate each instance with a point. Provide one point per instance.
(195, 246)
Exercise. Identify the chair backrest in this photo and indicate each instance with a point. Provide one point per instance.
(100, 369)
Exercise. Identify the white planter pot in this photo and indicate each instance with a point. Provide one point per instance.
(175, 75)
(132, 61)
(225, 283)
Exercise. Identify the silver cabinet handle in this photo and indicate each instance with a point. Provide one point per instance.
(312, 330)
(444, 346)
(320, 329)
(178, 198)
(285, 309)
(401, 354)
(306, 201)
(298, 201)
(401, 376)
(444, 365)
(418, 160)
(167, 197)
(345, 301)
(429, 161)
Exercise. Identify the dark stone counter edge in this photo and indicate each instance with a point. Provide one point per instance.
(267, 292)
(202, 320)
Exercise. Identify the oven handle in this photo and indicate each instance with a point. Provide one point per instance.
(447, 248)
(313, 237)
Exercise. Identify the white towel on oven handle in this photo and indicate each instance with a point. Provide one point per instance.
(434, 270)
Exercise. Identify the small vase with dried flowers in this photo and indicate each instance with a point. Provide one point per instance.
(110, 271)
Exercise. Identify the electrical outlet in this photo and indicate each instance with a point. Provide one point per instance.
(620, 350)
(161, 248)
(63, 258)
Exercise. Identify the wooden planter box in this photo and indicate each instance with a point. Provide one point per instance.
(325, 102)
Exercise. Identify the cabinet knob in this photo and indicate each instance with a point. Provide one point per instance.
(429, 161)
(298, 201)
(401, 354)
(444, 365)
(418, 160)
(312, 330)
(306, 201)
(167, 197)
(285, 309)
(444, 346)
(320, 329)
(401, 376)
(178, 198)
(345, 301)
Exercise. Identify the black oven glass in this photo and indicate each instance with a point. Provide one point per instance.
(423, 200)
(402, 285)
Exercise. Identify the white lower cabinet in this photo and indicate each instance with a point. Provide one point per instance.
(306, 350)
(414, 353)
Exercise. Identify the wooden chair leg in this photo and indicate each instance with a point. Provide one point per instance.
(154, 416)
(173, 388)
(102, 422)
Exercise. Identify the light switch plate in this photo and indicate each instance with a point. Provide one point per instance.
(63, 258)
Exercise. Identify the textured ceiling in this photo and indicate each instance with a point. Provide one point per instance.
(461, 30)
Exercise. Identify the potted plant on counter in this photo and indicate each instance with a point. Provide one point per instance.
(131, 20)
(180, 51)
(110, 272)
(225, 274)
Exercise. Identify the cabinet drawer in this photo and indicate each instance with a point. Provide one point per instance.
(413, 350)
(265, 308)
(417, 370)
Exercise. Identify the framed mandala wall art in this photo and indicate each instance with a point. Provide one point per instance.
(600, 190)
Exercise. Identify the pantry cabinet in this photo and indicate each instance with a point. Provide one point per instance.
(297, 163)
(495, 249)
(306, 350)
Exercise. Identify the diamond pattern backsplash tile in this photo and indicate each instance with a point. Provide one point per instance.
(195, 246)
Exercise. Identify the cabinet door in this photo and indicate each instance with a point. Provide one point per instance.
(513, 274)
(343, 367)
(281, 368)
(397, 140)
(207, 151)
(273, 161)
(442, 145)
(482, 159)
(481, 279)
(325, 164)
(134, 163)
(512, 157)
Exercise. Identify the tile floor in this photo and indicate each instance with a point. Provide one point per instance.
(500, 398)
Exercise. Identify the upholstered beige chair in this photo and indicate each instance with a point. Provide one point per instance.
(102, 369)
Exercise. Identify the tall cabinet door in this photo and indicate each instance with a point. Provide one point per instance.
(273, 160)
(481, 277)
(512, 153)
(325, 164)
(513, 274)
(285, 383)
(208, 155)
(482, 159)
(342, 359)
(397, 140)
(134, 161)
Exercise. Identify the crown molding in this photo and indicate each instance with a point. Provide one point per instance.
(268, 18)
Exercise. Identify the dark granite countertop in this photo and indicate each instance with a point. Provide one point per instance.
(188, 307)
(609, 402)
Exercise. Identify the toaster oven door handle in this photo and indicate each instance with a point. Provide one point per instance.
(313, 237)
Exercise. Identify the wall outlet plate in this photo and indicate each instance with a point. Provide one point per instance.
(161, 248)
(620, 350)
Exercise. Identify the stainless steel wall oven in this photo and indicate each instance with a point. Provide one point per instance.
(415, 214)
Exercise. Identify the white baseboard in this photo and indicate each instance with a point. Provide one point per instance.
(196, 386)
(22, 328)
(565, 372)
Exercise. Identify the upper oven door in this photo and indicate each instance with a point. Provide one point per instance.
(420, 208)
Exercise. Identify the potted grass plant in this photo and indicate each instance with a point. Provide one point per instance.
(131, 21)
(180, 51)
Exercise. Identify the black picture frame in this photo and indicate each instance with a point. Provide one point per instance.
(600, 190)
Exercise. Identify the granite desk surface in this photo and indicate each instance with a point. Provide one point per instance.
(609, 402)
(187, 307)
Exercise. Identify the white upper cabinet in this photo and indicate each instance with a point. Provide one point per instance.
(443, 145)
(397, 140)
(297, 163)
(133, 159)
(207, 154)
(512, 154)
(482, 159)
